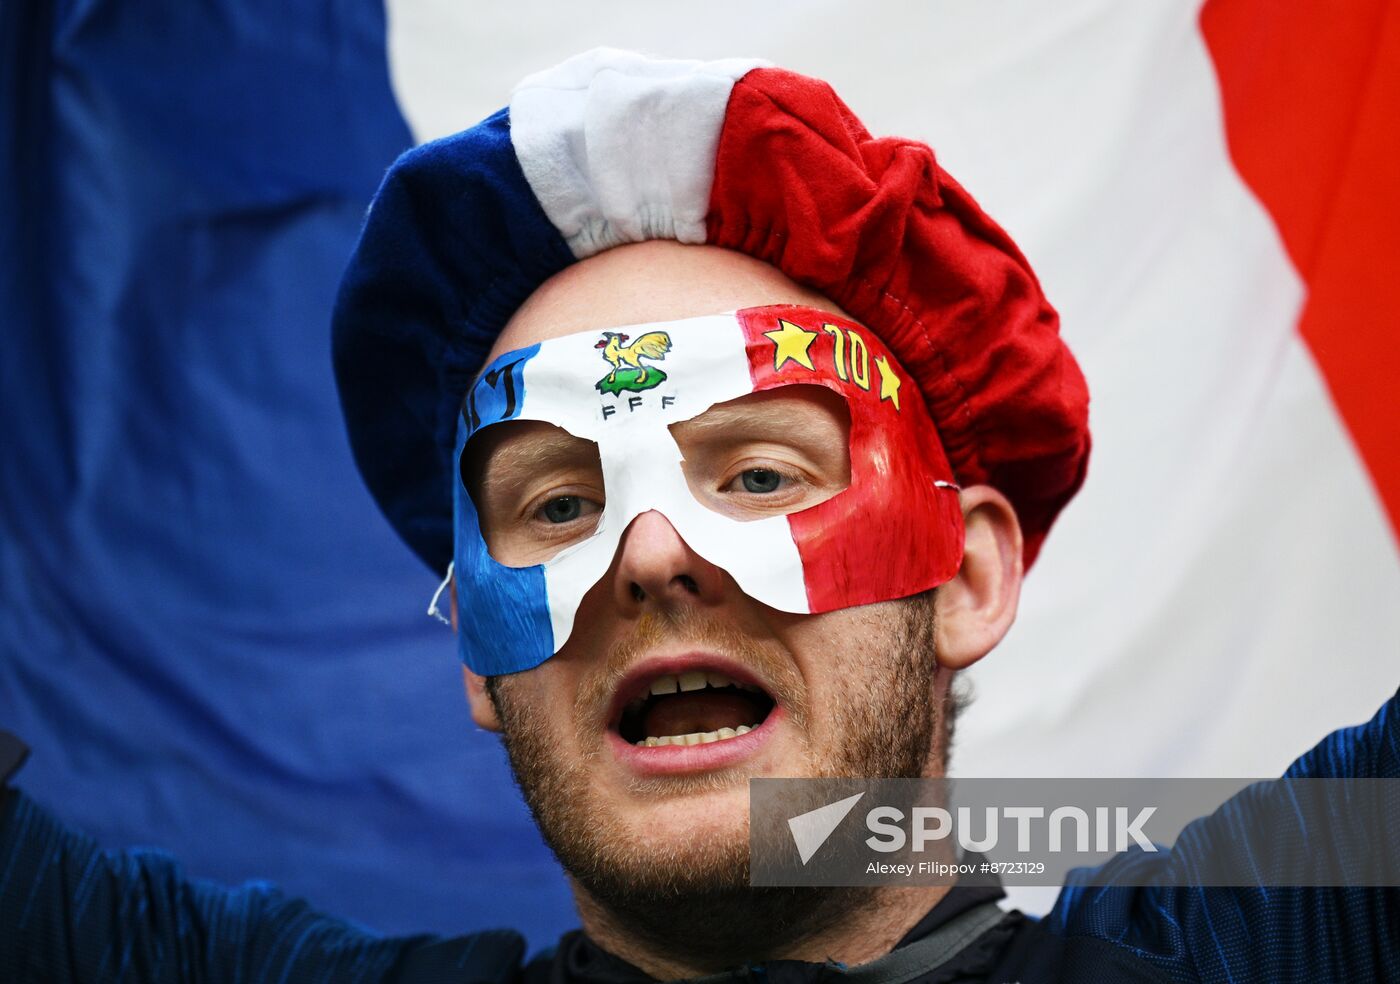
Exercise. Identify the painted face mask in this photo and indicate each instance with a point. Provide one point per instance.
(895, 529)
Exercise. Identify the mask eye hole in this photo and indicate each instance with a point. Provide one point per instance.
(536, 489)
(771, 453)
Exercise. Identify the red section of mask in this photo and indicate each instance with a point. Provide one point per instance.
(892, 533)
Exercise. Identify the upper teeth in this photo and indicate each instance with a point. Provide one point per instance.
(670, 683)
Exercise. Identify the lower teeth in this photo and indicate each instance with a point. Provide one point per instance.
(696, 737)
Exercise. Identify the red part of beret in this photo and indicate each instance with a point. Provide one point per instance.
(879, 227)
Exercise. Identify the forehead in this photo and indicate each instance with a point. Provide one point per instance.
(652, 281)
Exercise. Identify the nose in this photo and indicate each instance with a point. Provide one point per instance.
(656, 569)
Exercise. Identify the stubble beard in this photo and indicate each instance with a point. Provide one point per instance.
(693, 897)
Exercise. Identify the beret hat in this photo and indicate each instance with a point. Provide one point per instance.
(611, 147)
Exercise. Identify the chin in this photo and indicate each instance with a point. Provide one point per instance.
(704, 814)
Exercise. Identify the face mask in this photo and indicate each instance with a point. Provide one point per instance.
(894, 530)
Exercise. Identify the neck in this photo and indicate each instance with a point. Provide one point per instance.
(860, 925)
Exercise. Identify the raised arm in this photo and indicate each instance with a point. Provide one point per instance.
(1265, 933)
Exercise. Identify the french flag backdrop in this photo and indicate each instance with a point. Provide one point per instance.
(216, 646)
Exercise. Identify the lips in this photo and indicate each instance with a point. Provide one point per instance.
(693, 701)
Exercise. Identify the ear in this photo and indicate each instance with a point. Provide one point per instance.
(976, 608)
(483, 708)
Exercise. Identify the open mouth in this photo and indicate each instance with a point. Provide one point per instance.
(694, 707)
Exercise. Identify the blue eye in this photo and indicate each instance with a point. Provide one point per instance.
(761, 480)
(564, 509)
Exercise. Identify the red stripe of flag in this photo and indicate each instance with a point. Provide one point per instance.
(1311, 96)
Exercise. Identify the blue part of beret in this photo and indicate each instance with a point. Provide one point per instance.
(453, 244)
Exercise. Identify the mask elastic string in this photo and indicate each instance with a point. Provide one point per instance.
(433, 608)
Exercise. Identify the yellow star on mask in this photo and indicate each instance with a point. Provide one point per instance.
(792, 343)
(889, 382)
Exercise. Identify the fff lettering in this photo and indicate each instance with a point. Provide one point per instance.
(633, 404)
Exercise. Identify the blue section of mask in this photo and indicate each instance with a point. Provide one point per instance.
(503, 612)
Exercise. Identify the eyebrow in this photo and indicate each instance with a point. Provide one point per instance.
(529, 454)
(727, 420)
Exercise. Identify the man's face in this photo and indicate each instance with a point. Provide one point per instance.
(635, 742)
(675, 687)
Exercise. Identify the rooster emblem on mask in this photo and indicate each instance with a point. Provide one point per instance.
(628, 371)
